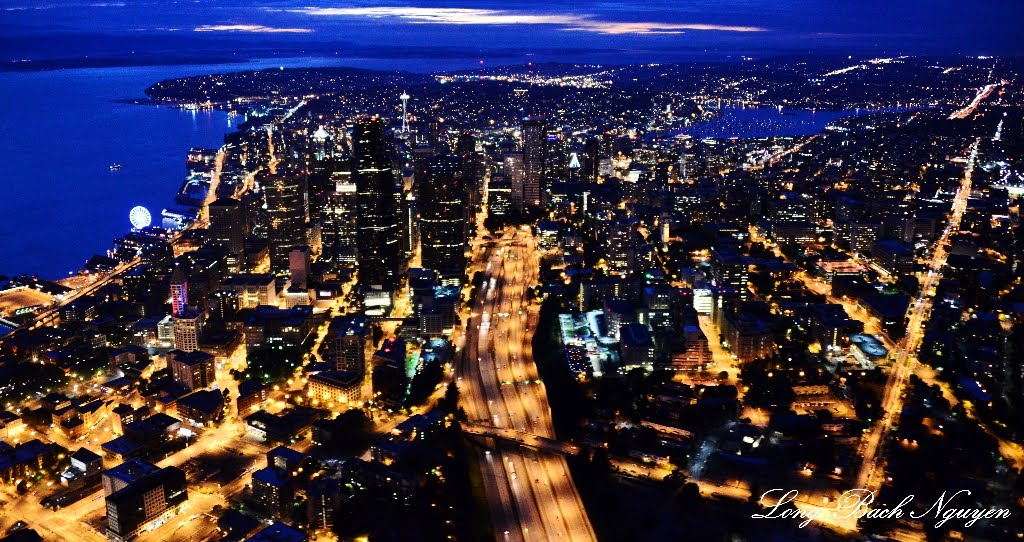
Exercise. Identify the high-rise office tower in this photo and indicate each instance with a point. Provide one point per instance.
(187, 329)
(556, 160)
(401, 190)
(143, 502)
(257, 219)
(534, 141)
(179, 291)
(378, 218)
(350, 336)
(410, 235)
(443, 221)
(420, 152)
(287, 206)
(338, 224)
(187, 322)
(592, 159)
(227, 229)
(729, 268)
(322, 145)
(194, 370)
(472, 174)
(574, 167)
(437, 136)
(516, 176)
(298, 266)
(466, 144)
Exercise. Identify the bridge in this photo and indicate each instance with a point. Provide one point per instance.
(518, 437)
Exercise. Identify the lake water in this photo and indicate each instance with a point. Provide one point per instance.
(755, 122)
(61, 130)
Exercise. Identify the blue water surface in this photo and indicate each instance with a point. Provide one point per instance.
(60, 131)
(757, 122)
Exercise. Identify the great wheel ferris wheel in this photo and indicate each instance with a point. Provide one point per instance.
(140, 217)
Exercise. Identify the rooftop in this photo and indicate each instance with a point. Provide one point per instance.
(205, 401)
(271, 476)
(355, 324)
(278, 532)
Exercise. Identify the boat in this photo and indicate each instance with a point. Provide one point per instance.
(115, 167)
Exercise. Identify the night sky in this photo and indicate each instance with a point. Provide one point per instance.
(502, 30)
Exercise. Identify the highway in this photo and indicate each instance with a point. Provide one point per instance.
(531, 493)
(983, 93)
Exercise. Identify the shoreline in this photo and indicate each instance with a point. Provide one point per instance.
(153, 157)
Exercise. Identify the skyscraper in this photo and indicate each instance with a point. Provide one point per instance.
(322, 144)
(187, 329)
(298, 266)
(437, 136)
(473, 174)
(442, 221)
(143, 501)
(272, 491)
(410, 226)
(621, 242)
(350, 336)
(323, 497)
(516, 176)
(227, 229)
(179, 291)
(534, 140)
(338, 224)
(187, 323)
(729, 269)
(466, 144)
(194, 370)
(378, 219)
(287, 205)
(592, 151)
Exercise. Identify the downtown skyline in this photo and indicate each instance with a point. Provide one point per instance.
(579, 271)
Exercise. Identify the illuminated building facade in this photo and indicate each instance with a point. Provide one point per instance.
(133, 508)
(338, 225)
(228, 229)
(442, 221)
(534, 157)
(194, 370)
(287, 207)
(377, 221)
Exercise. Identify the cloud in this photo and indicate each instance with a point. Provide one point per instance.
(473, 16)
(442, 15)
(66, 5)
(253, 28)
(605, 27)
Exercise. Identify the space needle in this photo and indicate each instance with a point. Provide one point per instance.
(405, 116)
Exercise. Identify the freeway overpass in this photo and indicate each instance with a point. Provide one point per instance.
(523, 439)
